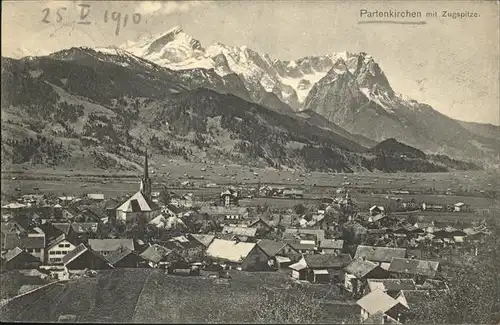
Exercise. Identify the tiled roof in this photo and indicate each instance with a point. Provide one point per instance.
(327, 260)
(10, 241)
(82, 227)
(377, 301)
(229, 250)
(9, 255)
(206, 240)
(64, 227)
(391, 285)
(332, 243)
(413, 266)
(431, 284)
(110, 245)
(137, 203)
(240, 231)
(270, 247)
(155, 253)
(79, 250)
(379, 254)
(119, 255)
(360, 268)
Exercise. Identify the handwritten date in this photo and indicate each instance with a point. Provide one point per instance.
(119, 18)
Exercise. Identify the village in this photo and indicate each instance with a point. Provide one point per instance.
(385, 263)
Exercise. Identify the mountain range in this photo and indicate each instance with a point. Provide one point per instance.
(103, 106)
(349, 89)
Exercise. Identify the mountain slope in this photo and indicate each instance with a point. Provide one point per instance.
(349, 89)
(362, 101)
(482, 129)
(82, 108)
(290, 81)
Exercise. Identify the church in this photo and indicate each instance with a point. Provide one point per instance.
(139, 205)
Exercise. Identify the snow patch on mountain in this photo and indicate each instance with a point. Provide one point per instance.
(291, 80)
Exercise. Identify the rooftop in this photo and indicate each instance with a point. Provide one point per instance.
(377, 301)
(110, 245)
(379, 254)
(229, 250)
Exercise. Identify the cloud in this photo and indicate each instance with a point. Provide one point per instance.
(167, 7)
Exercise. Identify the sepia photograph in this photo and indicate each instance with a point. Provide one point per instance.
(253, 161)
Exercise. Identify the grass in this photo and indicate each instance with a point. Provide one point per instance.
(151, 296)
(12, 281)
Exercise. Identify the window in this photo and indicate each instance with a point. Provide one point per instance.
(38, 250)
(52, 253)
(29, 250)
(67, 245)
(61, 245)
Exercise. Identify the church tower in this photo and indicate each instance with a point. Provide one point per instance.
(146, 181)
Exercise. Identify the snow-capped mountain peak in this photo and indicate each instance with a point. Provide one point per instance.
(290, 80)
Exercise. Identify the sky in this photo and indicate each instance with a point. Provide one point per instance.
(450, 64)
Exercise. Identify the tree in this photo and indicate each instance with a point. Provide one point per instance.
(299, 208)
(474, 295)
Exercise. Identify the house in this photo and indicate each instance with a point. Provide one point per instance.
(380, 318)
(168, 222)
(317, 234)
(265, 191)
(15, 206)
(375, 210)
(17, 258)
(322, 268)
(263, 226)
(156, 254)
(249, 233)
(380, 302)
(392, 287)
(293, 193)
(109, 206)
(377, 218)
(124, 257)
(301, 247)
(420, 270)
(449, 232)
(431, 284)
(82, 258)
(138, 206)
(57, 248)
(203, 239)
(107, 246)
(172, 210)
(247, 256)
(381, 255)
(460, 207)
(331, 246)
(433, 207)
(96, 196)
(281, 254)
(189, 250)
(81, 230)
(186, 200)
(32, 241)
(358, 271)
(225, 214)
(63, 227)
(229, 197)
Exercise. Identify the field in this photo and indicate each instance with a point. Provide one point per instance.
(150, 296)
(12, 281)
(366, 188)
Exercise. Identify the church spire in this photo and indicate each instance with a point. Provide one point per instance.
(146, 181)
(146, 167)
